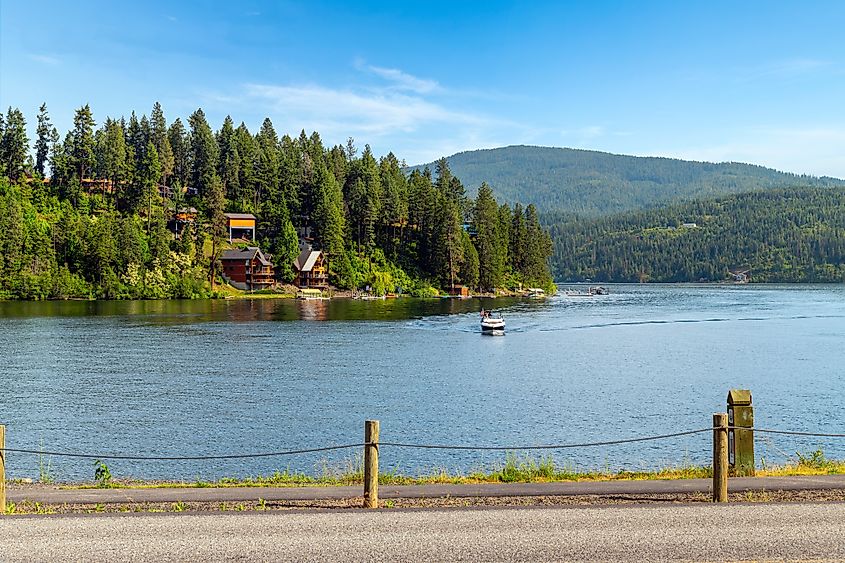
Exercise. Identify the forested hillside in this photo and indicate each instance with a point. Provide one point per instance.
(89, 214)
(597, 183)
(784, 235)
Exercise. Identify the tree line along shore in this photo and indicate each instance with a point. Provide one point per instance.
(141, 208)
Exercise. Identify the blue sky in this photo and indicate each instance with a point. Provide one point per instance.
(760, 82)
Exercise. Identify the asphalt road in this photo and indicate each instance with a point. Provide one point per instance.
(763, 532)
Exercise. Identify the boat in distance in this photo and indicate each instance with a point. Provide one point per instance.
(492, 324)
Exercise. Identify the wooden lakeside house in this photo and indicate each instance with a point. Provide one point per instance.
(248, 268)
(92, 186)
(240, 225)
(740, 275)
(186, 215)
(165, 191)
(311, 270)
(459, 290)
(180, 219)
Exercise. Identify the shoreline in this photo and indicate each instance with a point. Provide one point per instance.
(500, 294)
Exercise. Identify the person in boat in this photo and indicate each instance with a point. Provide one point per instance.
(485, 314)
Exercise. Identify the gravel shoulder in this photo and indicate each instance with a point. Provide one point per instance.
(43, 499)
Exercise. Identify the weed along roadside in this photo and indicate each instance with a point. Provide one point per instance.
(526, 476)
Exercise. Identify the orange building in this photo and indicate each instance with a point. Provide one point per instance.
(240, 225)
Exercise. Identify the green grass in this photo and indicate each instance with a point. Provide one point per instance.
(514, 469)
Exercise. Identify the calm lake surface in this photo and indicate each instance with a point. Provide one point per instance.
(172, 378)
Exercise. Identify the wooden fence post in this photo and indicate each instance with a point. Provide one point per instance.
(2, 469)
(720, 457)
(371, 429)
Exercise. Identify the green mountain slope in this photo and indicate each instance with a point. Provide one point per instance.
(597, 183)
(784, 235)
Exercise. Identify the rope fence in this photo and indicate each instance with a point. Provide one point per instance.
(415, 446)
(184, 458)
(371, 445)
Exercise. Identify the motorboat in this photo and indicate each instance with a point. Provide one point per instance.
(592, 291)
(492, 324)
(311, 295)
(535, 293)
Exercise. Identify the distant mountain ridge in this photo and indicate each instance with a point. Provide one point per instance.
(585, 182)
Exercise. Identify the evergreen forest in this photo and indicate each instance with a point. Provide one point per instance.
(87, 214)
(783, 235)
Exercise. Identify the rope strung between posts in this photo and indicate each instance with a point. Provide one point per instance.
(417, 446)
(550, 447)
(186, 458)
(785, 432)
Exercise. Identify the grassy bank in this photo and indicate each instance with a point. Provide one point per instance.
(515, 469)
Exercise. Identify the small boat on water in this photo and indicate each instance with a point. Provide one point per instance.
(492, 324)
(311, 295)
(591, 292)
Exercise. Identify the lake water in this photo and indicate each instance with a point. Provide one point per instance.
(221, 377)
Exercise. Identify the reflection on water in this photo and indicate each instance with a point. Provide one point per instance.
(244, 310)
(203, 377)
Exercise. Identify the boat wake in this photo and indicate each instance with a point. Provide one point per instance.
(686, 321)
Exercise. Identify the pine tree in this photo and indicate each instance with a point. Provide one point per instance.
(247, 149)
(538, 249)
(161, 142)
(364, 193)
(228, 166)
(470, 265)
(488, 242)
(204, 154)
(446, 240)
(110, 153)
(422, 203)
(290, 175)
(214, 206)
(328, 217)
(394, 214)
(180, 145)
(149, 174)
(267, 164)
(518, 240)
(504, 231)
(14, 145)
(45, 132)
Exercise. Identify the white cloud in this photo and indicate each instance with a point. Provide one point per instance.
(45, 59)
(392, 110)
(371, 112)
(403, 81)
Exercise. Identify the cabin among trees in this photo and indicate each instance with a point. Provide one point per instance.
(183, 217)
(248, 268)
(311, 270)
(240, 225)
(99, 227)
(459, 290)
